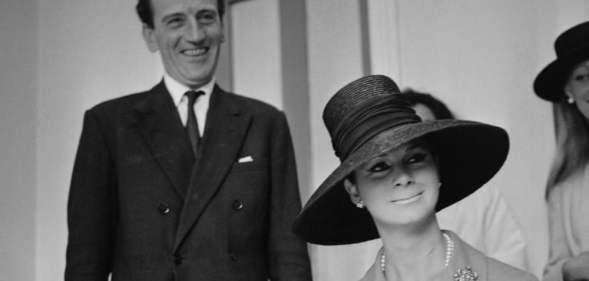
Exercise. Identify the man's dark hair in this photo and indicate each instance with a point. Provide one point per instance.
(145, 12)
(438, 108)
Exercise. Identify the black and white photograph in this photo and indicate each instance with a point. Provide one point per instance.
(299, 140)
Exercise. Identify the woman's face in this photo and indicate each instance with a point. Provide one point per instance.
(399, 187)
(577, 87)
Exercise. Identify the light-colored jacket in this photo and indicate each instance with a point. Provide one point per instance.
(568, 210)
(468, 260)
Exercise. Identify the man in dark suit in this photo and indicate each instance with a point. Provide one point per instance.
(184, 181)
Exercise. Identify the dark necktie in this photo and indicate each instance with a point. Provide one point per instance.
(191, 123)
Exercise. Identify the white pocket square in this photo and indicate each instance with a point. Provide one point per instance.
(245, 159)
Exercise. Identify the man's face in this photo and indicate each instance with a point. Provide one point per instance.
(188, 34)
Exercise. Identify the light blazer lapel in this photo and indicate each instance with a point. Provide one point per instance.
(225, 131)
(160, 124)
(466, 260)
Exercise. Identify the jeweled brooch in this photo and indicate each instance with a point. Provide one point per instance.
(465, 274)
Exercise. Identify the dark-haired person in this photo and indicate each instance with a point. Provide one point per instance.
(396, 171)
(565, 83)
(184, 181)
(483, 219)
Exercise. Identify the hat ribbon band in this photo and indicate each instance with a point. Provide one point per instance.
(372, 118)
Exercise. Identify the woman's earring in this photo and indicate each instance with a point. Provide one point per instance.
(570, 100)
(360, 204)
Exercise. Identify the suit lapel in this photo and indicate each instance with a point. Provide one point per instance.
(160, 124)
(225, 131)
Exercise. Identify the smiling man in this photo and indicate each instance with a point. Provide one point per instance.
(184, 181)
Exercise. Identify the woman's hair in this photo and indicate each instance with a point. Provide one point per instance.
(572, 143)
(438, 108)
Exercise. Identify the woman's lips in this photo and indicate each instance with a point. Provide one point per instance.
(407, 200)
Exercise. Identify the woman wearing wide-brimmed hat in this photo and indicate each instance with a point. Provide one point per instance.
(395, 173)
(484, 219)
(565, 83)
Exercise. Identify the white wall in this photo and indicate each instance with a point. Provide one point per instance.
(18, 90)
(88, 51)
(256, 50)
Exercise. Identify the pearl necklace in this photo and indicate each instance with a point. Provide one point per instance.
(449, 252)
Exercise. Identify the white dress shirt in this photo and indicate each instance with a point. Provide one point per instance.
(201, 106)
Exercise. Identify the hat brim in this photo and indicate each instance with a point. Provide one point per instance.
(549, 84)
(470, 153)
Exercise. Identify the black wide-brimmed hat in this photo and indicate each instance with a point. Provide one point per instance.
(365, 119)
(572, 47)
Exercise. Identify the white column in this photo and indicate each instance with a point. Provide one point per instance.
(255, 50)
(383, 30)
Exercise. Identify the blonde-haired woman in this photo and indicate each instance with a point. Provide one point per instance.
(565, 83)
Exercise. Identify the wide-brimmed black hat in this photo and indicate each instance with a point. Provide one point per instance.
(572, 47)
(365, 119)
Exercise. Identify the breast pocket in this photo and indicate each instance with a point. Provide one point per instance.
(259, 165)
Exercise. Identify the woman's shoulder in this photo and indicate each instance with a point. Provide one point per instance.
(501, 271)
(471, 261)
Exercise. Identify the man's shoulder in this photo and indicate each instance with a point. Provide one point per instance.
(118, 103)
(252, 105)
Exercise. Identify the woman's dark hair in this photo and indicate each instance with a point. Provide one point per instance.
(438, 108)
(145, 12)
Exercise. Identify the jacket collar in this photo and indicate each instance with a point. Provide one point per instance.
(225, 131)
(158, 121)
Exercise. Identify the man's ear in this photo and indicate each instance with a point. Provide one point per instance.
(149, 37)
(352, 190)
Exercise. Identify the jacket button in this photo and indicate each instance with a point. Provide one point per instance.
(233, 257)
(237, 205)
(163, 208)
(177, 259)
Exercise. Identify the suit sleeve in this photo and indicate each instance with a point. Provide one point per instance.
(558, 251)
(91, 207)
(289, 259)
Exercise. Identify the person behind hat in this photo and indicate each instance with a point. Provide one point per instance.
(483, 219)
(395, 173)
(565, 83)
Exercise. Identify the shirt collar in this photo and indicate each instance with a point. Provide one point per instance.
(177, 90)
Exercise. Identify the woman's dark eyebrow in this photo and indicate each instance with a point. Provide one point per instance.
(407, 148)
(416, 145)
